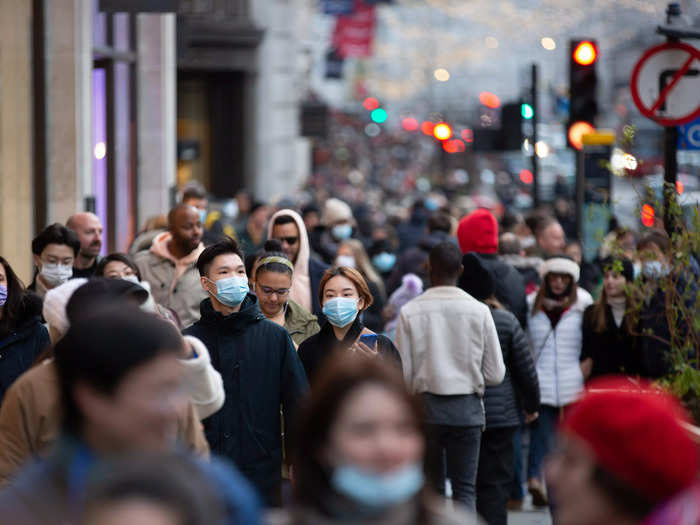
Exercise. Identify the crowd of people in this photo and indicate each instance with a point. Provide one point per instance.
(320, 364)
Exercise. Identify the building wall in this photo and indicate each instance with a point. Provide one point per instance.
(280, 153)
(16, 195)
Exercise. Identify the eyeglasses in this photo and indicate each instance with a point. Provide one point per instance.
(289, 240)
(281, 292)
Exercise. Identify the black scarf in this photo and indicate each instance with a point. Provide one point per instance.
(328, 340)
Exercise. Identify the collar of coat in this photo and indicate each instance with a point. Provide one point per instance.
(249, 313)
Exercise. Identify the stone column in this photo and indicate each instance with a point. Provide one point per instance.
(69, 105)
(16, 195)
(157, 76)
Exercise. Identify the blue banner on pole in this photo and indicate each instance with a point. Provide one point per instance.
(689, 135)
(338, 7)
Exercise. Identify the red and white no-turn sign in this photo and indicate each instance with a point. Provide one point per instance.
(665, 84)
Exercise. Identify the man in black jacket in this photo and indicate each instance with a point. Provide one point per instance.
(260, 368)
(478, 232)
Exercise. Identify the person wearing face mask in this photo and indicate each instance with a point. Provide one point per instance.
(360, 453)
(383, 257)
(609, 341)
(54, 251)
(260, 367)
(169, 266)
(272, 277)
(339, 224)
(658, 276)
(22, 336)
(352, 253)
(554, 326)
(345, 295)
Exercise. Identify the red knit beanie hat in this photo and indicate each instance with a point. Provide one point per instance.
(478, 232)
(636, 434)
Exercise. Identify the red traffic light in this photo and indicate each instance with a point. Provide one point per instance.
(409, 124)
(585, 53)
(427, 127)
(370, 103)
(526, 176)
(489, 100)
(647, 215)
(442, 131)
(454, 146)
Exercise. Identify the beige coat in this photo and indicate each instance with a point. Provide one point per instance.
(174, 282)
(448, 344)
(30, 420)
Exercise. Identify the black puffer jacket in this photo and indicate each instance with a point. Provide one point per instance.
(20, 347)
(261, 371)
(509, 284)
(520, 388)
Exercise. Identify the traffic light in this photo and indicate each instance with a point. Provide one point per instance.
(442, 131)
(583, 82)
(526, 111)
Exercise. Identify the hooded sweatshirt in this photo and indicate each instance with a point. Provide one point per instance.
(301, 281)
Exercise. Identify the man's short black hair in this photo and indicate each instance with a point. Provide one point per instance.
(310, 208)
(284, 219)
(194, 191)
(101, 349)
(439, 222)
(222, 247)
(56, 234)
(445, 260)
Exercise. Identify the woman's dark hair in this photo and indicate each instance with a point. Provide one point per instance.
(342, 376)
(173, 482)
(16, 297)
(118, 257)
(624, 267)
(102, 348)
(224, 246)
(657, 237)
(627, 500)
(273, 248)
(56, 234)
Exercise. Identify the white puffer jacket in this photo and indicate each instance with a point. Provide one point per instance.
(557, 351)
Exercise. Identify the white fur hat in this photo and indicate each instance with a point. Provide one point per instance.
(560, 264)
(335, 211)
(55, 304)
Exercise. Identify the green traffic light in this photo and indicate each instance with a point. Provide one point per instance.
(526, 111)
(379, 115)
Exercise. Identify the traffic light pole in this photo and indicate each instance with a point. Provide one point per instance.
(535, 163)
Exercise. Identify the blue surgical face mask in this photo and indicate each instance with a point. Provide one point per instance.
(655, 269)
(377, 490)
(341, 232)
(431, 205)
(340, 311)
(384, 261)
(232, 290)
(203, 216)
(637, 269)
(3, 294)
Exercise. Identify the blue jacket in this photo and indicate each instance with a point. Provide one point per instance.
(53, 490)
(20, 348)
(261, 371)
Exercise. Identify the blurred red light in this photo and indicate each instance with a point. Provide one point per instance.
(427, 128)
(489, 100)
(442, 131)
(526, 176)
(454, 146)
(370, 104)
(647, 215)
(468, 136)
(679, 187)
(585, 53)
(409, 124)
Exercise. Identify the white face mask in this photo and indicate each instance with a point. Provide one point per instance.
(345, 260)
(56, 274)
(131, 278)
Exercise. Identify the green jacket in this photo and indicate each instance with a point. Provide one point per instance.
(300, 323)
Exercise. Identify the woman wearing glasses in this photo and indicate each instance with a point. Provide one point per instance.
(272, 274)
